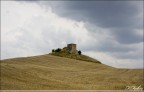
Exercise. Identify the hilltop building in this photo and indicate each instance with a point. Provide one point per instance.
(72, 48)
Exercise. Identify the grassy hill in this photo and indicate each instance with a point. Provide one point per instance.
(49, 72)
(82, 57)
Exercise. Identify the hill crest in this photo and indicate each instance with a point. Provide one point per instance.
(71, 52)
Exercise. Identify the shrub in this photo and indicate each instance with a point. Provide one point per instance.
(79, 52)
(53, 50)
(58, 50)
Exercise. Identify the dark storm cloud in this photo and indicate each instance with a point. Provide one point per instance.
(128, 56)
(119, 16)
(108, 46)
(115, 14)
(127, 36)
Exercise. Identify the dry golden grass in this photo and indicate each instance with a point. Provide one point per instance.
(47, 72)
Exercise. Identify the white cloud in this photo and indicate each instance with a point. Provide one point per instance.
(106, 58)
(28, 29)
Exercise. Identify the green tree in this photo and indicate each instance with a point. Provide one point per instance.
(53, 50)
(58, 50)
(79, 52)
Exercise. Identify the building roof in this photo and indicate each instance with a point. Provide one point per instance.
(72, 43)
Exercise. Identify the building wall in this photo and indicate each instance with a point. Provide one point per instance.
(72, 48)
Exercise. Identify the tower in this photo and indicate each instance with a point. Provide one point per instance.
(72, 48)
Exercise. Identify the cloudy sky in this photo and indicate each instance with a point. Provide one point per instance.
(110, 31)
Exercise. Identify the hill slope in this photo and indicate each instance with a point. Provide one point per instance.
(47, 72)
(75, 56)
